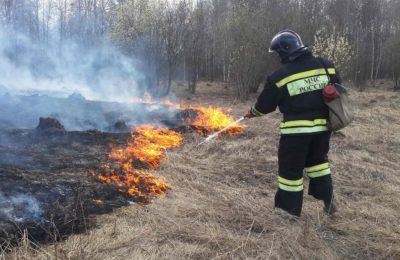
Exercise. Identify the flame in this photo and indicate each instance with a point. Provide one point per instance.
(148, 145)
(98, 202)
(212, 119)
(140, 185)
(129, 168)
(145, 149)
(209, 119)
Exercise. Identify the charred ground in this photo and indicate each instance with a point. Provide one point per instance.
(52, 167)
(48, 175)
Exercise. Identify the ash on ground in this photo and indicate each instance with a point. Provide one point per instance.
(44, 183)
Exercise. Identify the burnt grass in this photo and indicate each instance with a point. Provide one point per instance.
(53, 166)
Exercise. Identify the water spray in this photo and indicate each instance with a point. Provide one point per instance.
(214, 135)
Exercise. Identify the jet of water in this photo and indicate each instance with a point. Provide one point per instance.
(214, 135)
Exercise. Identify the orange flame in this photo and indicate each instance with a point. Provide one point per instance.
(148, 145)
(146, 149)
(138, 184)
(211, 119)
(98, 202)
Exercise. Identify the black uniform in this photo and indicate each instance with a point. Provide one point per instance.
(296, 89)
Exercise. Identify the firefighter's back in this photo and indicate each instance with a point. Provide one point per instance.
(300, 84)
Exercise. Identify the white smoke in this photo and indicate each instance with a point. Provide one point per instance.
(99, 73)
(36, 80)
(20, 208)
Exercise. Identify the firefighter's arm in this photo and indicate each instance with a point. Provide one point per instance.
(267, 102)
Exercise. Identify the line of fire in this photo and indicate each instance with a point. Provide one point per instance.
(72, 165)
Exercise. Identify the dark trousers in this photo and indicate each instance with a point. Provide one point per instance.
(296, 154)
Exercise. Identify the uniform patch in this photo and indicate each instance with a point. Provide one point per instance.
(307, 85)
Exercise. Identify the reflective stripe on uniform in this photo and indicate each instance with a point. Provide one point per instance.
(319, 173)
(255, 112)
(290, 182)
(303, 130)
(318, 167)
(290, 185)
(300, 123)
(302, 75)
(318, 170)
(303, 126)
(290, 188)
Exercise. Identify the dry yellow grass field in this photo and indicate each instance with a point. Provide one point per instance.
(221, 203)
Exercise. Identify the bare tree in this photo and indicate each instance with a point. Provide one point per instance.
(224, 40)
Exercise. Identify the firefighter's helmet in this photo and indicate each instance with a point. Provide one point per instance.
(287, 43)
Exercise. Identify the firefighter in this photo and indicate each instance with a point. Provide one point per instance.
(296, 88)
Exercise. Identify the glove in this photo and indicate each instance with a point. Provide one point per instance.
(249, 115)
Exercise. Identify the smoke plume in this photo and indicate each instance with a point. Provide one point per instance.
(98, 73)
(67, 82)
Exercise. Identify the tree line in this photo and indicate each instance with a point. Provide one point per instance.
(219, 40)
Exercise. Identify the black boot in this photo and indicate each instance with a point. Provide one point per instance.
(330, 207)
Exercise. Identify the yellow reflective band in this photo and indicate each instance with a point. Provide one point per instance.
(290, 182)
(303, 123)
(304, 74)
(290, 188)
(256, 112)
(318, 167)
(319, 173)
(303, 130)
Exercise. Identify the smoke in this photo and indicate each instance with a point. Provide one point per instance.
(67, 82)
(98, 73)
(20, 208)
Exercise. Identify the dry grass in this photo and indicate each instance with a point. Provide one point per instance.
(221, 205)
